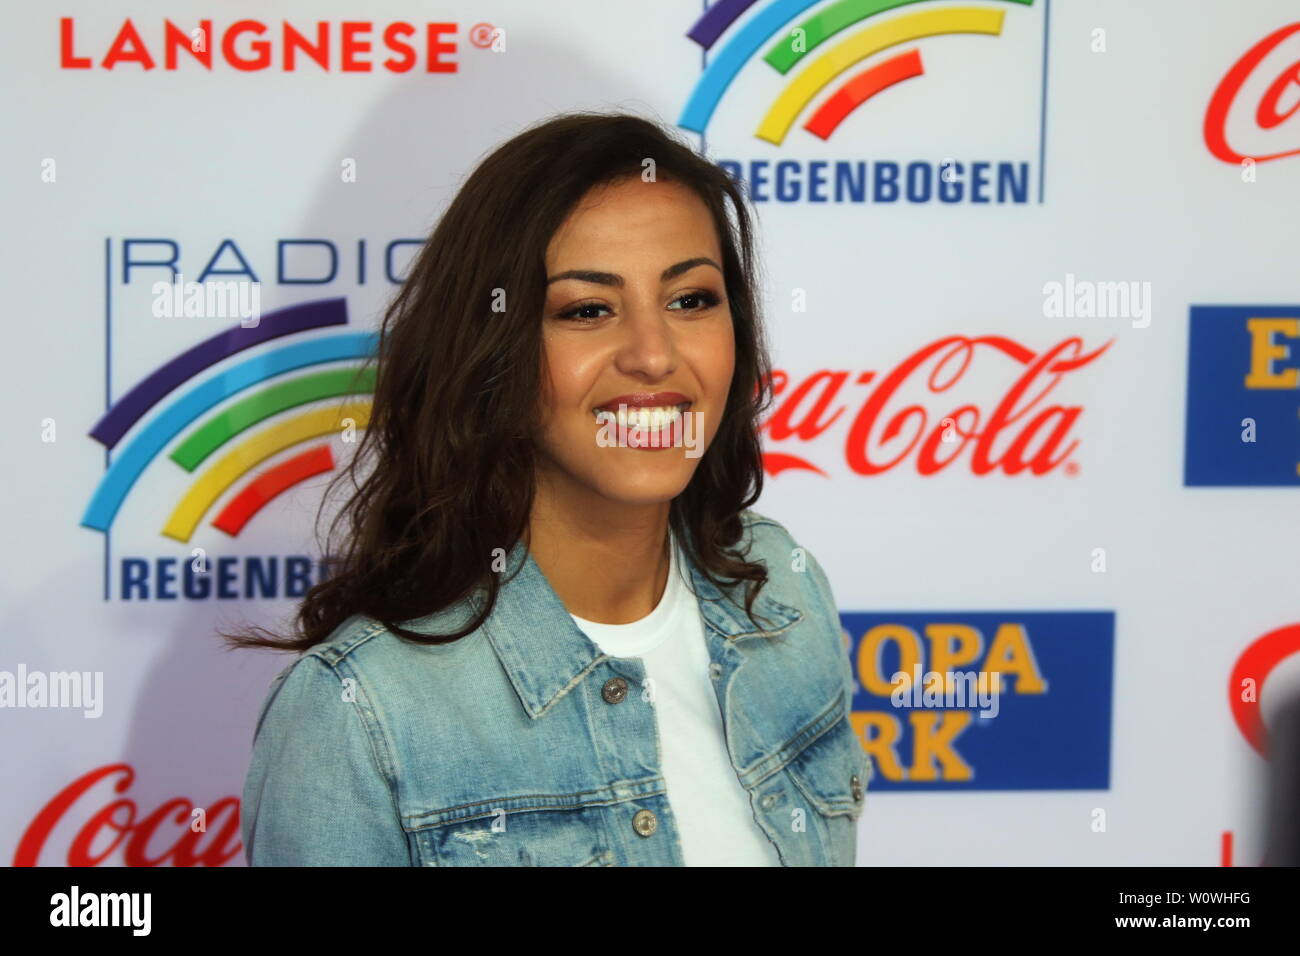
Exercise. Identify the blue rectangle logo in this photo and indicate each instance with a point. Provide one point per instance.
(984, 700)
(1243, 395)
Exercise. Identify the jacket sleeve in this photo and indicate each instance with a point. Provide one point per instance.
(822, 587)
(319, 789)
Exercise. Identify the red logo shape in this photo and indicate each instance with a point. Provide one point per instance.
(1267, 114)
(1035, 432)
(1256, 663)
(137, 832)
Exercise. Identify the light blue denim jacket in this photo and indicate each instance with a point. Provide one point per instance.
(524, 744)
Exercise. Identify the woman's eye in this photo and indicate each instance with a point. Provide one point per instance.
(704, 300)
(586, 307)
(696, 301)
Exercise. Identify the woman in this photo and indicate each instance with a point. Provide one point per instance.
(557, 636)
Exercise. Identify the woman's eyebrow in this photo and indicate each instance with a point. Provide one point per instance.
(610, 278)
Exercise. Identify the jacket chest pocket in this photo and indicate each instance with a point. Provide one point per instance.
(574, 836)
(832, 774)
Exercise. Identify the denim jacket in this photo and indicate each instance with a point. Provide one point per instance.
(524, 744)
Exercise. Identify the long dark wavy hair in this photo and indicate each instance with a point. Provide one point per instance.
(457, 386)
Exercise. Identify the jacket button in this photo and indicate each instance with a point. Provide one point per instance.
(856, 786)
(614, 691)
(645, 823)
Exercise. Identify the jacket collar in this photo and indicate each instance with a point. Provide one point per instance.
(544, 652)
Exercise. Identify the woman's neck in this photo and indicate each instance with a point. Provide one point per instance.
(606, 561)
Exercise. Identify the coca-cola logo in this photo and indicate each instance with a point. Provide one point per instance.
(1269, 111)
(1248, 675)
(1021, 432)
(207, 836)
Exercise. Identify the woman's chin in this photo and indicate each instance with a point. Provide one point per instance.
(645, 486)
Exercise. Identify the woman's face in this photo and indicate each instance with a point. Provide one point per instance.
(636, 314)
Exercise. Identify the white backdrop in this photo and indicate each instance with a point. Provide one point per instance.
(1127, 579)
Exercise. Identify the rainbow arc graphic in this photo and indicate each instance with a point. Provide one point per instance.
(235, 427)
(834, 58)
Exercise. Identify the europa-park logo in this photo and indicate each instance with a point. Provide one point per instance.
(224, 406)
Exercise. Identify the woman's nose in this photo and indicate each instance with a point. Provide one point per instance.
(647, 348)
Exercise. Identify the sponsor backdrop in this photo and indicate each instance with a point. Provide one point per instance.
(1036, 326)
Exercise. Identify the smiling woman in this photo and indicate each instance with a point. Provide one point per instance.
(557, 635)
(621, 331)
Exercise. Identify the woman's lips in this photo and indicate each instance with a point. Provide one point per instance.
(657, 416)
(646, 428)
(646, 438)
(644, 400)
(646, 421)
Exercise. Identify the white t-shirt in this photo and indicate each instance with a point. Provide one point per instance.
(712, 810)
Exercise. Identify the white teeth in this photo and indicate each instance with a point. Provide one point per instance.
(652, 418)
